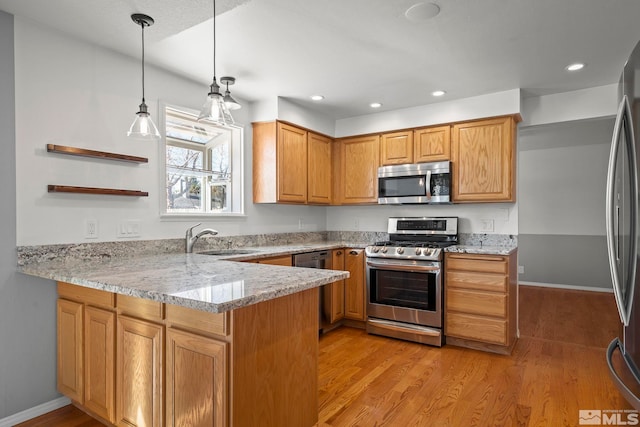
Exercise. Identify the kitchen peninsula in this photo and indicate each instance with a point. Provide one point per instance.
(188, 339)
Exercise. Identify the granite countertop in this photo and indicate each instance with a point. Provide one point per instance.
(203, 282)
(482, 250)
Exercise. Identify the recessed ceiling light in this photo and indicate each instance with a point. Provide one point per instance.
(423, 11)
(317, 97)
(375, 105)
(438, 93)
(575, 67)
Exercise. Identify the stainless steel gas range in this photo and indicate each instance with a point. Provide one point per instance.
(405, 276)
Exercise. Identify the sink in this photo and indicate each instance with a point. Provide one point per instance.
(228, 252)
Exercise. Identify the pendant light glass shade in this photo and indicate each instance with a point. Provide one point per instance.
(143, 127)
(231, 103)
(215, 108)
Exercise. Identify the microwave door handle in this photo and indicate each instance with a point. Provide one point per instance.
(427, 185)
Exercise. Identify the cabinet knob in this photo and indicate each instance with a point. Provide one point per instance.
(353, 253)
(339, 253)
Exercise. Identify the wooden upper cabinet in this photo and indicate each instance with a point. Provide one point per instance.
(292, 164)
(432, 144)
(319, 178)
(396, 148)
(483, 160)
(359, 158)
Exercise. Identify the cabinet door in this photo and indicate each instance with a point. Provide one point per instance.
(432, 144)
(354, 285)
(99, 362)
(396, 148)
(334, 292)
(359, 161)
(196, 380)
(319, 169)
(292, 164)
(139, 373)
(483, 161)
(70, 344)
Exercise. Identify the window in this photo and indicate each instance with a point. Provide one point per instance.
(203, 165)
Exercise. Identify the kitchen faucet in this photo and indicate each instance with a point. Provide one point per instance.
(191, 240)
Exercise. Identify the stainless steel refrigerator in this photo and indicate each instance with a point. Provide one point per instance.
(623, 230)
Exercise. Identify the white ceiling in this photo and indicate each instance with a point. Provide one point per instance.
(358, 51)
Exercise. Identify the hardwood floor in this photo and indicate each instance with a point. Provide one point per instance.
(557, 368)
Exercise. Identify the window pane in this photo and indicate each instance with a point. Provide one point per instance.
(203, 165)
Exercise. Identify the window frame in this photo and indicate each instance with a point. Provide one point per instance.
(236, 158)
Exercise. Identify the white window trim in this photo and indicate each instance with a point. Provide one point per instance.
(237, 162)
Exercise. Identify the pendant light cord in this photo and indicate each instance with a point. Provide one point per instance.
(214, 40)
(142, 25)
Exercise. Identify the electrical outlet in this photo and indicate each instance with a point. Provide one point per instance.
(300, 224)
(521, 269)
(129, 228)
(486, 225)
(356, 223)
(90, 228)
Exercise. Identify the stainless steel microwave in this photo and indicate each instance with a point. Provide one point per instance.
(414, 183)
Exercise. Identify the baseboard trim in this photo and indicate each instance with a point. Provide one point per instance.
(34, 412)
(571, 287)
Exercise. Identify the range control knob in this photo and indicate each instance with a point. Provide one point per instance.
(375, 249)
(383, 250)
(418, 251)
(400, 250)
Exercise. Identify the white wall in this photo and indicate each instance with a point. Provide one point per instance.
(562, 176)
(82, 95)
(493, 104)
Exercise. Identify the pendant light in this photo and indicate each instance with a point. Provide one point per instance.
(143, 127)
(231, 103)
(214, 108)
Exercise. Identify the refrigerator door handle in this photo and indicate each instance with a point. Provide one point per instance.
(628, 394)
(623, 291)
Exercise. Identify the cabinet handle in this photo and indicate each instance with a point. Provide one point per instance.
(353, 253)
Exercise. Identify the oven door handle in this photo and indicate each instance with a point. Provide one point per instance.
(402, 267)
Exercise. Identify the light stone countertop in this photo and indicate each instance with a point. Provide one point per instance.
(203, 282)
(481, 250)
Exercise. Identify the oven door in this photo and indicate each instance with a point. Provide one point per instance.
(405, 291)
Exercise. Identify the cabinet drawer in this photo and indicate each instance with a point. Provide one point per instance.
(477, 281)
(473, 302)
(476, 328)
(477, 263)
(140, 308)
(188, 318)
(86, 295)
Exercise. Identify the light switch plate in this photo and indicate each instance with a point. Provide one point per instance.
(486, 225)
(129, 228)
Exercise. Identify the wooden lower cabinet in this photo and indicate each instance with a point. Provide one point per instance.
(99, 355)
(139, 372)
(70, 345)
(354, 286)
(278, 260)
(143, 363)
(481, 301)
(333, 293)
(196, 380)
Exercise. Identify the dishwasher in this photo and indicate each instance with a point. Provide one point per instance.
(318, 259)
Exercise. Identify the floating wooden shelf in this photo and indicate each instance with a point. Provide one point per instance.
(83, 152)
(93, 190)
